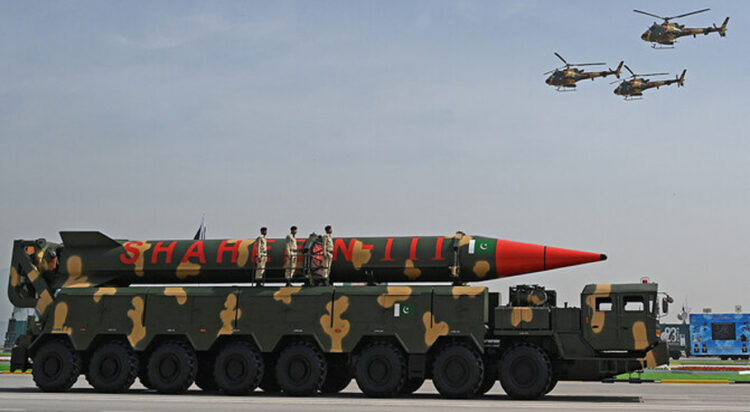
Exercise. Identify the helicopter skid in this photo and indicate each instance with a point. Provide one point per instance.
(631, 98)
(563, 89)
(658, 46)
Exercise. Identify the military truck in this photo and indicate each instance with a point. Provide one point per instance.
(304, 340)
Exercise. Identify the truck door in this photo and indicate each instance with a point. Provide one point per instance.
(600, 326)
(635, 324)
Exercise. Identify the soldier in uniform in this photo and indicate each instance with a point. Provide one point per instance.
(261, 257)
(327, 253)
(291, 255)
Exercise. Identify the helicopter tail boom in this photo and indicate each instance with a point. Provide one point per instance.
(723, 28)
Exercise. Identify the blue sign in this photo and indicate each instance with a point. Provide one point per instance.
(720, 334)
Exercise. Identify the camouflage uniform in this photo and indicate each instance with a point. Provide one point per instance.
(262, 257)
(327, 254)
(291, 253)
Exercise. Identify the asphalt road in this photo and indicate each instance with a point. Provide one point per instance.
(18, 393)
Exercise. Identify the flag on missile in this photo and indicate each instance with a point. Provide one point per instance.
(481, 246)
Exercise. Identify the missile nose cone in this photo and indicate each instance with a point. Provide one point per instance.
(515, 258)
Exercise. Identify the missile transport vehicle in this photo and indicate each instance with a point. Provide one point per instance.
(174, 313)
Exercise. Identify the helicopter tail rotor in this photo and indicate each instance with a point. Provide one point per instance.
(619, 67)
(681, 79)
(723, 28)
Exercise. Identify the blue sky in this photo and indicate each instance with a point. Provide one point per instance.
(134, 118)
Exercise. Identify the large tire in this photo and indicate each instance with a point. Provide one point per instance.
(56, 366)
(113, 367)
(143, 373)
(301, 369)
(525, 372)
(172, 367)
(238, 369)
(457, 371)
(204, 379)
(338, 376)
(675, 355)
(269, 384)
(381, 370)
(411, 385)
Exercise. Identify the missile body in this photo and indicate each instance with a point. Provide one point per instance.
(87, 259)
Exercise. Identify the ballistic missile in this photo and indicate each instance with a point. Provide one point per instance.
(92, 259)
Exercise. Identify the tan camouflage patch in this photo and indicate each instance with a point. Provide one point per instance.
(228, 315)
(521, 314)
(45, 299)
(284, 294)
(333, 325)
(244, 250)
(185, 269)
(141, 257)
(74, 265)
(360, 256)
(15, 278)
(33, 275)
(481, 267)
(534, 300)
(103, 292)
(410, 271)
(649, 361)
(640, 337)
(433, 329)
(61, 315)
(178, 293)
(136, 316)
(394, 294)
(470, 291)
(597, 317)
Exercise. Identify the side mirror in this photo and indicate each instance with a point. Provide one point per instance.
(665, 305)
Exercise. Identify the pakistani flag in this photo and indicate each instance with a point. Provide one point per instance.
(481, 246)
(403, 310)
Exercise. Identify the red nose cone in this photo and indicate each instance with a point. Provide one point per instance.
(515, 258)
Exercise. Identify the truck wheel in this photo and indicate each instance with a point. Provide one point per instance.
(381, 370)
(457, 371)
(301, 369)
(204, 379)
(269, 384)
(675, 355)
(172, 367)
(56, 366)
(525, 372)
(411, 386)
(238, 369)
(112, 367)
(552, 384)
(488, 381)
(338, 376)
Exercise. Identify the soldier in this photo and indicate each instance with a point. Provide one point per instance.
(327, 253)
(291, 255)
(261, 257)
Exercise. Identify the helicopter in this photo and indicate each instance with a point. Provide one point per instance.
(567, 76)
(664, 35)
(632, 89)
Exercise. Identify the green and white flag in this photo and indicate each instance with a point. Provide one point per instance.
(481, 246)
(403, 310)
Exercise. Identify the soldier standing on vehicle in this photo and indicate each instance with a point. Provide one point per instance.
(327, 254)
(291, 255)
(261, 257)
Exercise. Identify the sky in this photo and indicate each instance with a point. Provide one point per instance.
(380, 118)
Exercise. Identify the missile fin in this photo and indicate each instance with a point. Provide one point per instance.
(88, 239)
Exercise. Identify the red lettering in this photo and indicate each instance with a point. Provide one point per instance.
(254, 257)
(339, 244)
(223, 248)
(413, 249)
(439, 249)
(134, 253)
(388, 245)
(159, 248)
(195, 250)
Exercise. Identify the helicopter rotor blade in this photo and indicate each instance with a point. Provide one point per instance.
(551, 71)
(588, 64)
(687, 14)
(651, 74)
(651, 14)
(628, 69)
(561, 58)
